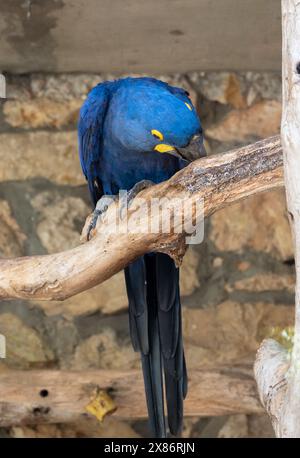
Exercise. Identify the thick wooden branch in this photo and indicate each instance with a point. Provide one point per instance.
(276, 372)
(270, 369)
(219, 180)
(58, 396)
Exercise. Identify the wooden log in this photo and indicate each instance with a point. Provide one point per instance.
(277, 372)
(50, 396)
(219, 180)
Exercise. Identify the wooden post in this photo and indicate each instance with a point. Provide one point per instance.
(276, 372)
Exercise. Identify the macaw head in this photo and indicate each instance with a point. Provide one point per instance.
(146, 114)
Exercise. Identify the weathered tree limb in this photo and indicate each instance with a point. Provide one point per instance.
(50, 396)
(270, 370)
(277, 375)
(220, 180)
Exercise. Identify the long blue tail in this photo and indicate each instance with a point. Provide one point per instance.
(155, 326)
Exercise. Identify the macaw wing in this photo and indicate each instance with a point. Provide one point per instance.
(90, 135)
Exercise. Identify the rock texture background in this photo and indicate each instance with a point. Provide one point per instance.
(236, 285)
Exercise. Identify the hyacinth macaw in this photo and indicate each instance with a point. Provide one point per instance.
(132, 131)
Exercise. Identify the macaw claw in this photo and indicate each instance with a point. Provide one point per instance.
(101, 208)
(131, 194)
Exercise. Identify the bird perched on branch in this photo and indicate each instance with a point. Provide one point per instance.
(133, 132)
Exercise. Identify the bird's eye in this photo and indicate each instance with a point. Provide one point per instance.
(157, 134)
(189, 106)
(187, 93)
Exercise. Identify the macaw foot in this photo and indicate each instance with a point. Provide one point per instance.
(132, 193)
(100, 209)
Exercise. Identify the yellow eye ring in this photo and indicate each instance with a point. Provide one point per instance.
(189, 106)
(157, 134)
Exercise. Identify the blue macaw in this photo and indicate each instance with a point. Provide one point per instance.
(132, 131)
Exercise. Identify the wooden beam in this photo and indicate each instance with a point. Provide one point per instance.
(190, 35)
(218, 180)
(50, 396)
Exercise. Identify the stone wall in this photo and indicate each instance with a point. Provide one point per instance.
(236, 286)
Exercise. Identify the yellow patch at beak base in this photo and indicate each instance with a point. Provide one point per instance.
(162, 148)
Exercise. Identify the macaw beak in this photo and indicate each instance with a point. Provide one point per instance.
(194, 150)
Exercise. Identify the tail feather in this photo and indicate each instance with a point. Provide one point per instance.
(135, 277)
(176, 387)
(185, 379)
(152, 371)
(155, 325)
(170, 328)
(145, 338)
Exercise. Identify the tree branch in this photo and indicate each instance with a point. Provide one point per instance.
(50, 396)
(278, 374)
(219, 180)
